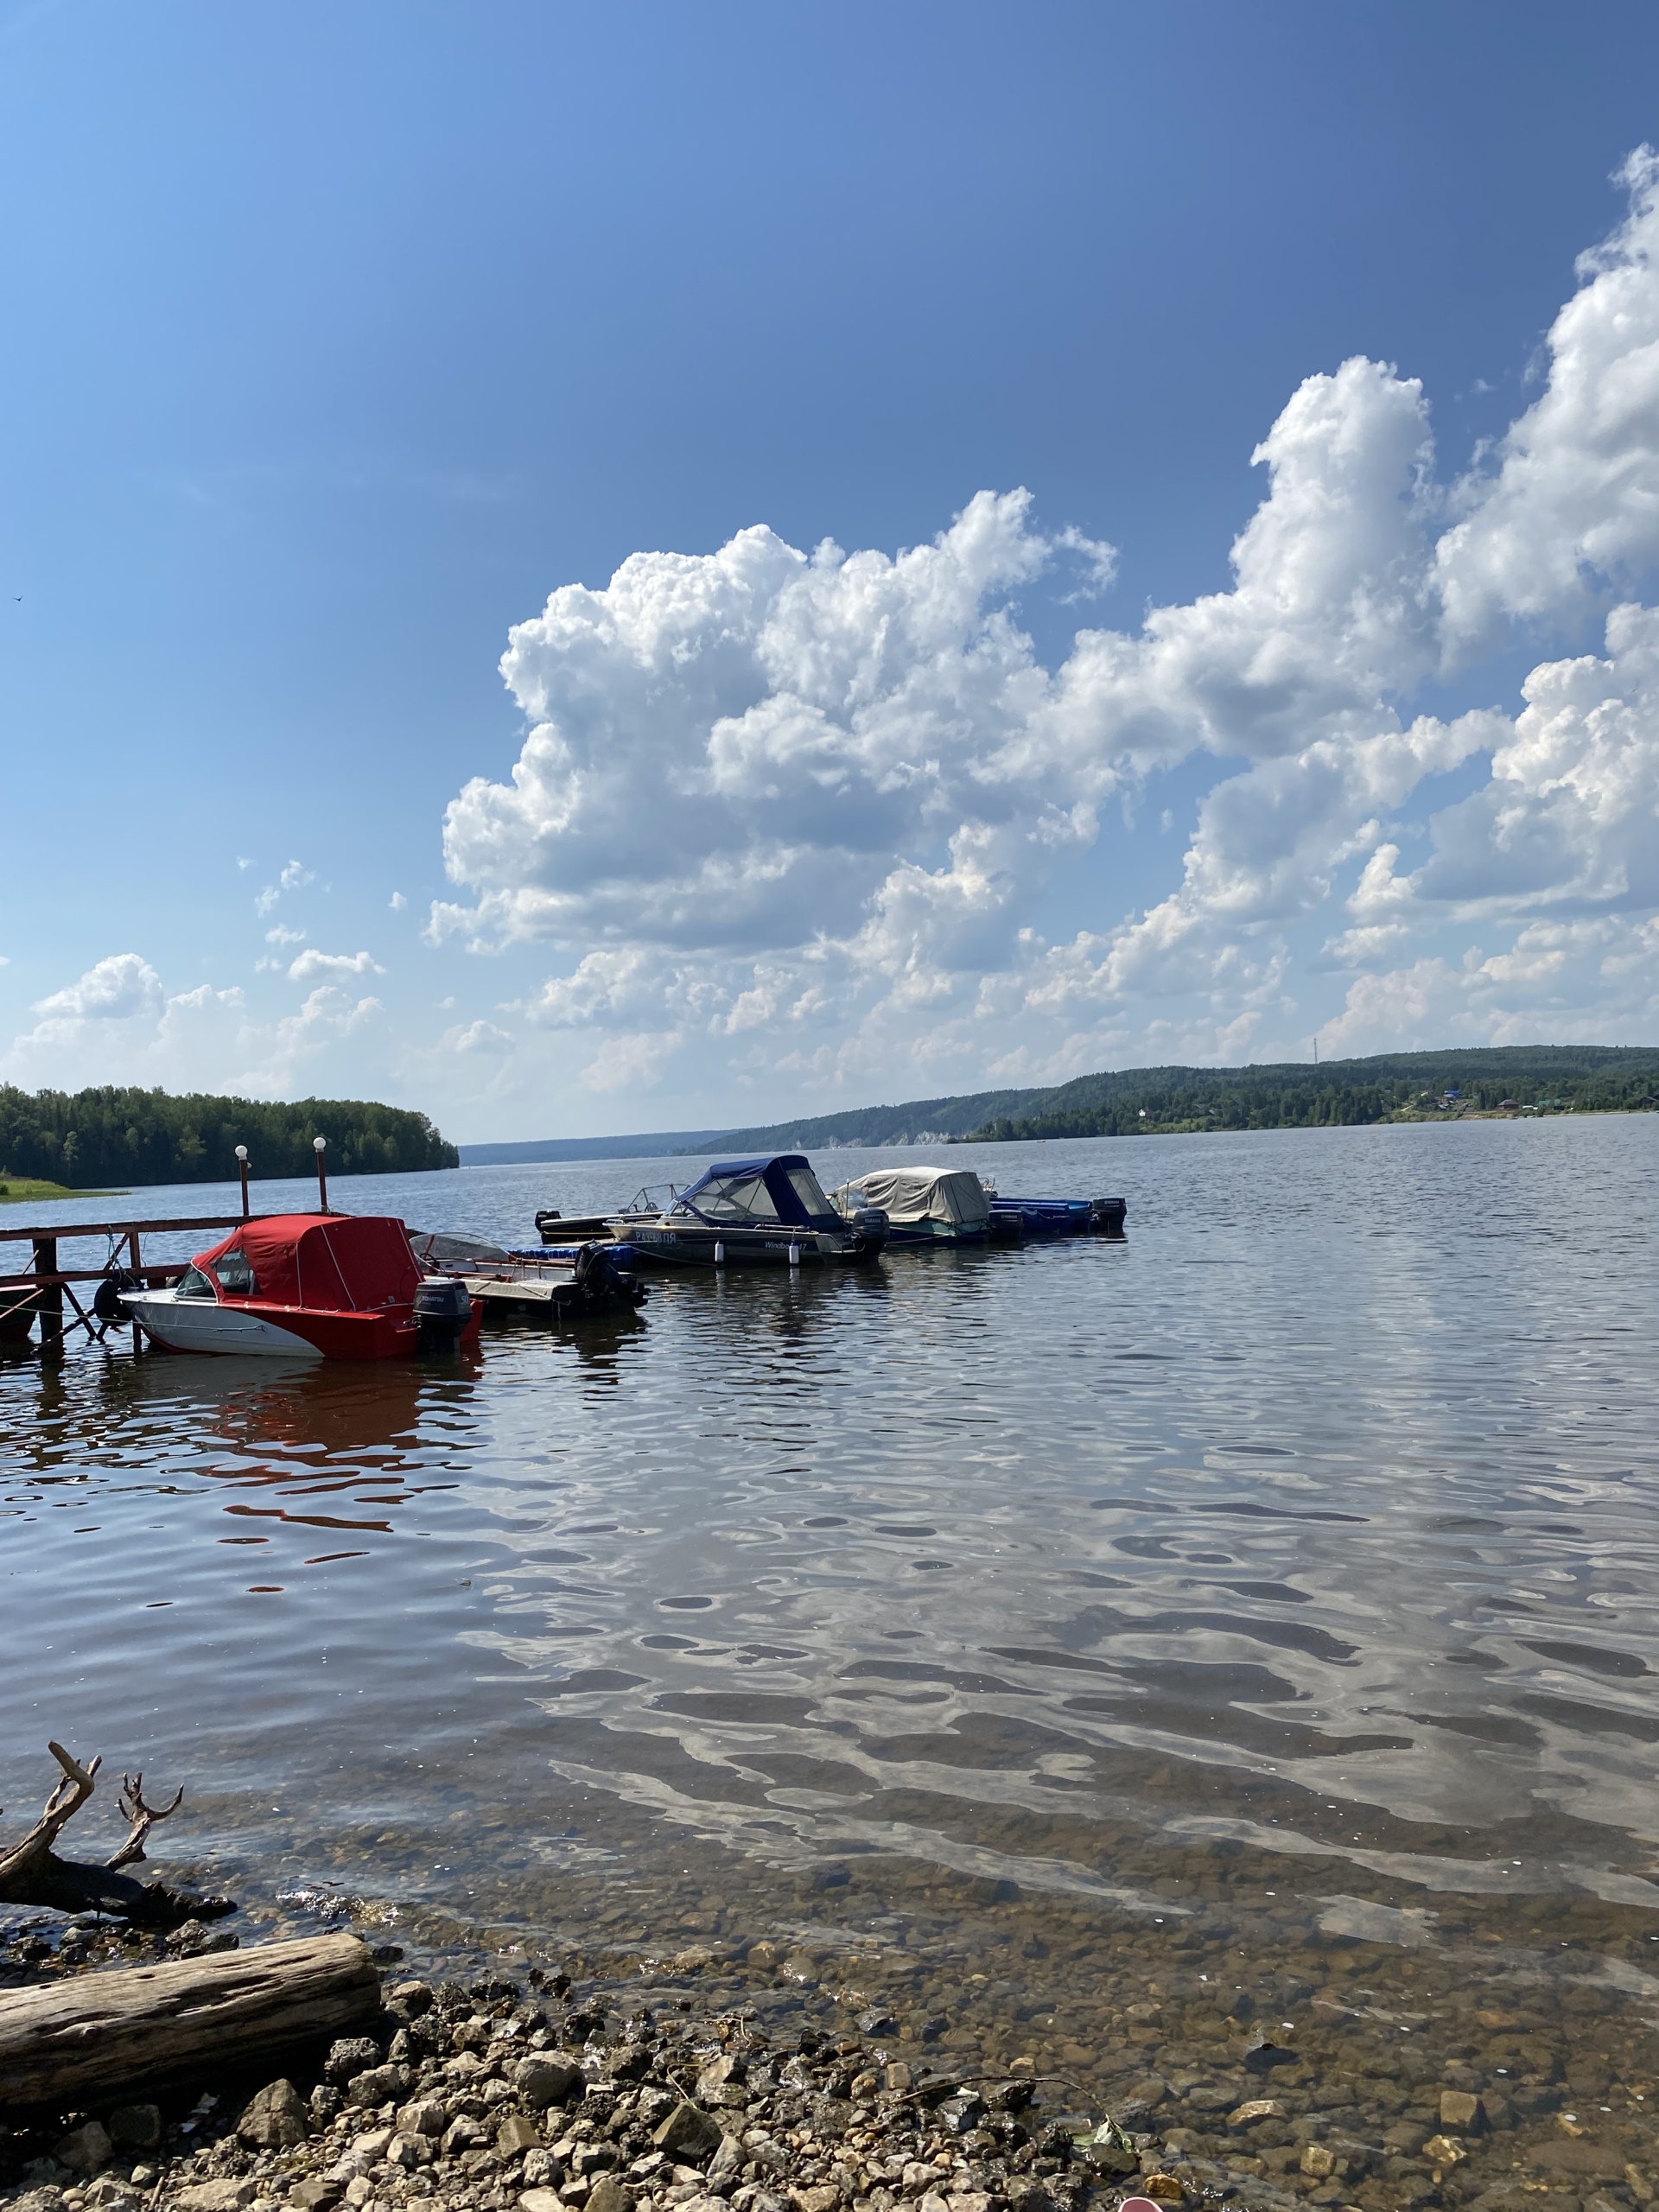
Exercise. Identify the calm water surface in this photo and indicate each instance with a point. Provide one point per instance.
(1290, 1567)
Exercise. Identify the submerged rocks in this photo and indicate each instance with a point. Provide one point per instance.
(501, 2097)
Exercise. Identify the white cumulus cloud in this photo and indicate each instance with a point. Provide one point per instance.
(294, 877)
(117, 1023)
(335, 965)
(1574, 500)
(794, 814)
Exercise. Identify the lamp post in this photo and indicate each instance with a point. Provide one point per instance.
(319, 1145)
(242, 1168)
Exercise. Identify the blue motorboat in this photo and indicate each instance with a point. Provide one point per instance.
(768, 1211)
(1017, 1218)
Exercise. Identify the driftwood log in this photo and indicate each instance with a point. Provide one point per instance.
(83, 2040)
(31, 1873)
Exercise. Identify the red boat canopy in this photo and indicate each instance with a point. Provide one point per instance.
(334, 1263)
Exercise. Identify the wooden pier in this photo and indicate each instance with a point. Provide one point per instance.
(45, 1291)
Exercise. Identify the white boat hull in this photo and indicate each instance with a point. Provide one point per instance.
(203, 1325)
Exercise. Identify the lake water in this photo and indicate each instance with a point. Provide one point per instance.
(1050, 1638)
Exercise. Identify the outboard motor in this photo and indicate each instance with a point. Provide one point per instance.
(442, 1310)
(1106, 1216)
(869, 1228)
(601, 1281)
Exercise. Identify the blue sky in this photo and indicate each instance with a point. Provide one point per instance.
(343, 339)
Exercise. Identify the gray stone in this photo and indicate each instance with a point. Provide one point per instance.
(963, 2113)
(542, 2081)
(227, 2195)
(109, 2193)
(315, 2194)
(462, 2134)
(348, 2056)
(516, 2135)
(730, 2159)
(426, 2116)
(411, 1997)
(87, 2151)
(408, 2150)
(274, 2120)
(688, 2131)
(1261, 2055)
(607, 2194)
(137, 2127)
(541, 2170)
(1108, 2152)
(1461, 2110)
(377, 2085)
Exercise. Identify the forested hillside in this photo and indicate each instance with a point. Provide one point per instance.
(1139, 1101)
(1390, 1086)
(93, 1139)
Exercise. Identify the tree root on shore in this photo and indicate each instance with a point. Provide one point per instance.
(31, 1873)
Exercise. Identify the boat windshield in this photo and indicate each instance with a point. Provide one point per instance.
(738, 1199)
(235, 1274)
(194, 1284)
(808, 1188)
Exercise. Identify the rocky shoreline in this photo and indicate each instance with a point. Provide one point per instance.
(534, 2093)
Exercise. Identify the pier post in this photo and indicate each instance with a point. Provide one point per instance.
(48, 1300)
(137, 1333)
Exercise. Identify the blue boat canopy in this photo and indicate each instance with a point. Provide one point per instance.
(777, 1188)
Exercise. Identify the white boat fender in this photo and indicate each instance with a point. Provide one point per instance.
(720, 1255)
(794, 1255)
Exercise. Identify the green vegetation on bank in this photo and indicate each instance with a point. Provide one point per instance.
(1392, 1086)
(85, 1139)
(1140, 1102)
(17, 1187)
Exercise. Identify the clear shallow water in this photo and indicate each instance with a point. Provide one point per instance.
(1289, 1568)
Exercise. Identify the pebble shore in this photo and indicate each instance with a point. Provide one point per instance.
(532, 2094)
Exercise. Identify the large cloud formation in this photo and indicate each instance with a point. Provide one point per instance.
(118, 1016)
(797, 811)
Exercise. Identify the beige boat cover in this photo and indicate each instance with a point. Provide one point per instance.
(906, 1195)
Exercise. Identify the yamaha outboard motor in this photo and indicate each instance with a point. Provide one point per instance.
(869, 1226)
(442, 1309)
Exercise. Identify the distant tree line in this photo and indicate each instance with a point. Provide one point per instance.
(89, 1140)
(1142, 1101)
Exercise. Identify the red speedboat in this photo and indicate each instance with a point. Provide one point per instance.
(310, 1287)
